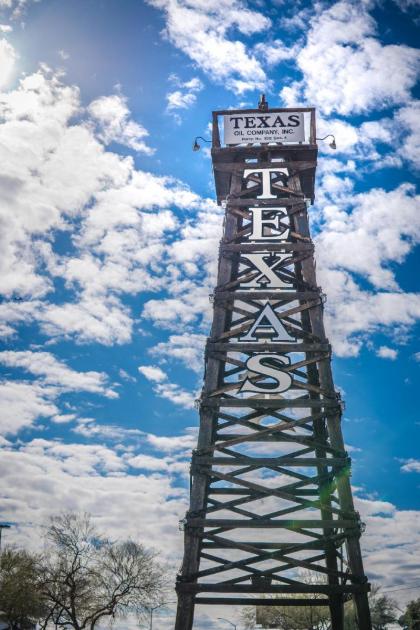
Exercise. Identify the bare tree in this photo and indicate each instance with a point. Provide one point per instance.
(87, 577)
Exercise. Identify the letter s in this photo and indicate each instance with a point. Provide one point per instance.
(294, 118)
(267, 365)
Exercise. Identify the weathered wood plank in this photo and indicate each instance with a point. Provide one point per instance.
(295, 524)
(274, 461)
(255, 601)
(273, 588)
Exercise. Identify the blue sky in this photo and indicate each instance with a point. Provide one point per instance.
(109, 248)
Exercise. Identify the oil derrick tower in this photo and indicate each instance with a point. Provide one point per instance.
(270, 490)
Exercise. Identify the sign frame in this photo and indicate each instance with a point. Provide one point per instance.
(264, 127)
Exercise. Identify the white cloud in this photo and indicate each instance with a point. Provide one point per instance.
(387, 353)
(346, 69)
(389, 546)
(406, 5)
(200, 31)
(63, 418)
(382, 227)
(23, 403)
(89, 428)
(361, 235)
(152, 373)
(273, 53)
(176, 394)
(187, 348)
(148, 462)
(104, 320)
(91, 478)
(113, 118)
(185, 95)
(411, 465)
(16, 6)
(7, 61)
(353, 314)
(97, 479)
(171, 444)
(53, 372)
(117, 218)
(163, 388)
(364, 143)
(408, 118)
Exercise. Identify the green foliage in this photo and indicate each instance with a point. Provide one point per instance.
(318, 617)
(21, 600)
(294, 617)
(410, 620)
(382, 611)
(86, 577)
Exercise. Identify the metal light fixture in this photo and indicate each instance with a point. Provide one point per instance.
(227, 621)
(331, 144)
(196, 146)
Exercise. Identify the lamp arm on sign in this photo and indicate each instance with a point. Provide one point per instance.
(332, 144)
(196, 146)
(227, 621)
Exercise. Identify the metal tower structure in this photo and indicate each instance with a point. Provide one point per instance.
(270, 490)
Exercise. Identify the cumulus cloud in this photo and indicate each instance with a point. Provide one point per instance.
(186, 348)
(89, 428)
(381, 227)
(201, 32)
(25, 401)
(362, 237)
(107, 483)
(117, 218)
(91, 478)
(388, 544)
(185, 94)
(387, 353)
(408, 117)
(165, 389)
(174, 443)
(51, 371)
(411, 465)
(273, 53)
(152, 373)
(346, 69)
(7, 61)
(15, 7)
(114, 125)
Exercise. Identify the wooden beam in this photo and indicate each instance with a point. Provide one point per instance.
(273, 588)
(271, 523)
(258, 601)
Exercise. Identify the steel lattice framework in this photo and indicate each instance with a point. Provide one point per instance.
(270, 490)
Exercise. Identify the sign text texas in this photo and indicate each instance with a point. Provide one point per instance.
(261, 127)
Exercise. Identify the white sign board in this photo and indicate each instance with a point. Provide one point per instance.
(264, 127)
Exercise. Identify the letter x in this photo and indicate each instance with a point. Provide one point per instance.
(272, 280)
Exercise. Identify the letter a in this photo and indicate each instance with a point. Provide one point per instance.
(267, 365)
(266, 322)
